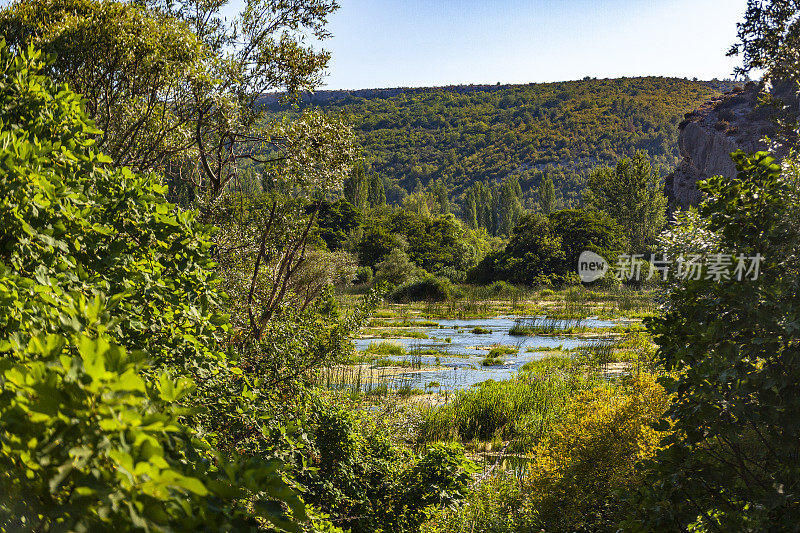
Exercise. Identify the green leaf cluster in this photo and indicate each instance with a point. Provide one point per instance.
(109, 339)
(733, 350)
(368, 482)
(546, 248)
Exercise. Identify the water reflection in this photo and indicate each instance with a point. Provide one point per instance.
(459, 363)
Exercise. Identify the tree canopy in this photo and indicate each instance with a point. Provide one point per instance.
(467, 134)
(545, 248)
(632, 194)
(109, 334)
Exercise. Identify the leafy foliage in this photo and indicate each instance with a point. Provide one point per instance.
(768, 39)
(590, 456)
(186, 78)
(367, 482)
(433, 243)
(153, 59)
(544, 249)
(429, 289)
(396, 269)
(732, 347)
(632, 194)
(335, 220)
(109, 334)
(483, 134)
(576, 472)
(71, 218)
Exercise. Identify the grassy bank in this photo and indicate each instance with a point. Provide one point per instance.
(502, 299)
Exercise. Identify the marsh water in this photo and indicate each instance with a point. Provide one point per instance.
(458, 365)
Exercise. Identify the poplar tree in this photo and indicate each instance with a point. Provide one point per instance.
(547, 196)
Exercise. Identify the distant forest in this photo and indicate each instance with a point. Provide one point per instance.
(453, 137)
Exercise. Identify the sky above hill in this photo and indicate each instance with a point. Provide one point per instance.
(412, 43)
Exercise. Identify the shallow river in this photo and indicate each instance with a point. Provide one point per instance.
(461, 363)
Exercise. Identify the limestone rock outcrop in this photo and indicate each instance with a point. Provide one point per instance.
(709, 135)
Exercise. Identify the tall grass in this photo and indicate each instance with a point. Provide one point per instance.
(385, 348)
(553, 363)
(631, 301)
(521, 409)
(371, 381)
(543, 326)
(577, 304)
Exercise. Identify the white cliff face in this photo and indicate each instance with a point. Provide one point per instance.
(709, 135)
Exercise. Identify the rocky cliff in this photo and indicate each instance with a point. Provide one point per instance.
(708, 136)
(735, 120)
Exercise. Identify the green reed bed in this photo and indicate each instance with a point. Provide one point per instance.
(394, 333)
(551, 364)
(362, 380)
(499, 351)
(559, 348)
(385, 348)
(521, 410)
(543, 326)
(406, 323)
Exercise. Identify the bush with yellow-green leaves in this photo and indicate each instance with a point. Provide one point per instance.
(591, 455)
(577, 473)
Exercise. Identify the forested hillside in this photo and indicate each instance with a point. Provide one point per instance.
(466, 134)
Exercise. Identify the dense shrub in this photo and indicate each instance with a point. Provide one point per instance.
(364, 275)
(367, 482)
(108, 335)
(494, 506)
(454, 275)
(396, 269)
(67, 214)
(577, 472)
(429, 288)
(521, 409)
(546, 248)
(733, 350)
(591, 454)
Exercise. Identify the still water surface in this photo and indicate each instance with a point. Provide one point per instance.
(461, 362)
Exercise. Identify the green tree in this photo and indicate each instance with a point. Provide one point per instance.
(769, 37)
(547, 247)
(732, 349)
(632, 194)
(547, 196)
(581, 230)
(396, 268)
(509, 205)
(442, 198)
(187, 81)
(376, 243)
(533, 250)
(356, 187)
(433, 242)
(153, 59)
(335, 220)
(376, 195)
(470, 208)
(109, 330)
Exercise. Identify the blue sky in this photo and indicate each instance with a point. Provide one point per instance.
(391, 43)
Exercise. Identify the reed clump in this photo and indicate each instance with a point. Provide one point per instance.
(521, 409)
